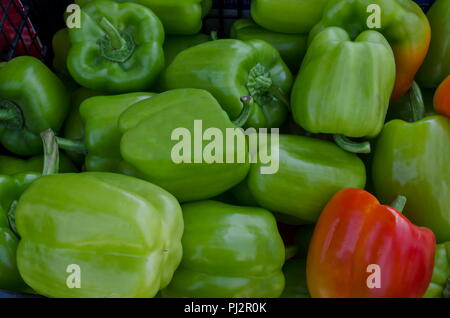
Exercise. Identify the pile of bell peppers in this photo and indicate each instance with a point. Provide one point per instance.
(356, 92)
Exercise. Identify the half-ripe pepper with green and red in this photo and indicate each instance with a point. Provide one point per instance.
(411, 159)
(436, 66)
(230, 69)
(402, 22)
(292, 47)
(361, 249)
(440, 282)
(179, 17)
(117, 49)
(32, 99)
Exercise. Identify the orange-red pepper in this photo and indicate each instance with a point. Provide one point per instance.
(442, 98)
(362, 249)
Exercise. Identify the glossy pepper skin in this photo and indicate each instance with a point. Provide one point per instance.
(100, 116)
(117, 49)
(179, 17)
(341, 88)
(32, 99)
(61, 47)
(305, 165)
(133, 227)
(173, 45)
(411, 159)
(73, 126)
(10, 165)
(442, 98)
(440, 282)
(228, 252)
(230, 69)
(436, 66)
(287, 16)
(148, 144)
(11, 188)
(403, 24)
(292, 47)
(354, 231)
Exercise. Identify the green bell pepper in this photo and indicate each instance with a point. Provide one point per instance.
(230, 69)
(10, 166)
(292, 47)
(118, 47)
(440, 282)
(295, 273)
(228, 252)
(173, 45)
(61, 47)
(288, 16)
(151, 156)
(120, 235)
(73, 126)
(436, 66)
(411, 159)
(310, 172)
(402, 22)
(341, 88)
(11, 189)
(179, 17)
(102, 136)
(32, 99)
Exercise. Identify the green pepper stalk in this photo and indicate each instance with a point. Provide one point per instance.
(116, 46)
(399, 203)
(351, 146)
(11, 116)
(51, 166)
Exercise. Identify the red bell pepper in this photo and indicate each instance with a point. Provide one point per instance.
(442, 98)
(356, 238)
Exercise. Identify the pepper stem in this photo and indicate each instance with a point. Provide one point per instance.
(260, 84)
(352, 146)
(290, 252)
(12, 217)
(51, 153)
(416, 100)
(11, 116)
(214, 35)
(76, 146)
(116, 46)
(399, 203)
(117, 41)
(245, 114)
